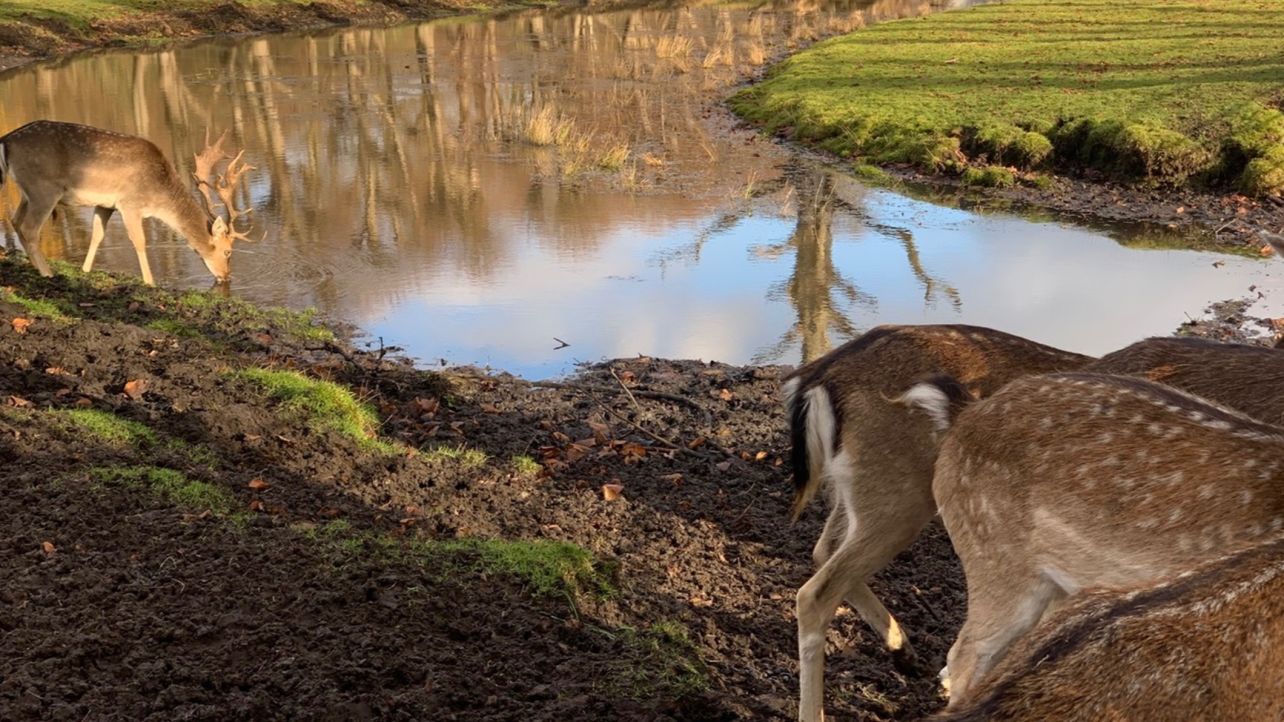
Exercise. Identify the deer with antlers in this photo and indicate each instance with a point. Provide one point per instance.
(54, 162)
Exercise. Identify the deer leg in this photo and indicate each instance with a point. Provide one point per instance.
(825, 544)
(27, 221)
(101, 216)
(865, 549)
(998, 613)
(134, 229)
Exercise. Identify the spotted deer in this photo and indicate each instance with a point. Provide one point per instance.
(875, 459)
(54, 162)
(891, 500)
(1205, 645)
(1063, 482)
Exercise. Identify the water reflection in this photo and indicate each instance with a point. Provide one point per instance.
(471, 188)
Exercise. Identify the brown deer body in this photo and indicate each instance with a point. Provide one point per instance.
(876, 461)
(72, 164)
(1246, 378)
(1207, 645)
(1067, 481)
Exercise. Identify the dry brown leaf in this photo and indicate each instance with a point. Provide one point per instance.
(697, 442)
(561, 438)
(19, 402)
(601, 432)
(760, 456)
(489, 409)
(1266, 250)
(256, 505)
(627, 376)
(587, 442)
(725, 394)
(56, 371)
(49, 547)
(575, 452)
(632, 452)
(611, 492)
(20, 324)
(136, 388)
(258, 485)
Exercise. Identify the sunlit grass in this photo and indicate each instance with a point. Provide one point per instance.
(1157, 91)
(323, 405)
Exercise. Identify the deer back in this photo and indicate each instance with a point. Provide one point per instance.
(1247, 378)
(1097, 480)
(1207, 645)
(94, 166)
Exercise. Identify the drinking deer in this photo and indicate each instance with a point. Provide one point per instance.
(54, 162)
(1205, 645)
(1067, 481)
(876, 460)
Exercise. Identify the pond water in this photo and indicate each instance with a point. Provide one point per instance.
(478, 190)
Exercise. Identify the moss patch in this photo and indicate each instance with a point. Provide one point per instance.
(1170, 92)
(323, 405)
(39, 307)
(109, 427)
(173, 486)
(990, 177)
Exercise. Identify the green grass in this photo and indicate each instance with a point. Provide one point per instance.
(991, 176)
(1160, 92)
(323, 405)
(109, 427)
(173, 486)
(38, 307)
(467, 458)
(526, 466)
(79, 13)
(668, 663)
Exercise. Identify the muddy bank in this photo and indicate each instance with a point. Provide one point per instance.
(24, 38)
(193, 532)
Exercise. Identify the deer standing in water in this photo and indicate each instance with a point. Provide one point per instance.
(54, 162)
(1070, 481)
(1205, 645)
(877, 459)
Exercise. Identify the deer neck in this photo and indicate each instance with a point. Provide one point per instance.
(185, 215)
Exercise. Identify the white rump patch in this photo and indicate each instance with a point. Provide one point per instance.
(789, 390)
(931, 399)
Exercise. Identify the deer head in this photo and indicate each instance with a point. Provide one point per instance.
(223, 233)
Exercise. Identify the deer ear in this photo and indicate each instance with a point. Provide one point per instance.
(218, 227)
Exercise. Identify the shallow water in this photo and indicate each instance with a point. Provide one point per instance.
(477, 190)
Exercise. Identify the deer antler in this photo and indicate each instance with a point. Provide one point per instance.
(205, 162)
(225, 186)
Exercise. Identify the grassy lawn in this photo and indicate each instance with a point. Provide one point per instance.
(1163, 92)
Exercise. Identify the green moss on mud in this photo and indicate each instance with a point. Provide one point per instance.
(323, 405)
(1160, 92)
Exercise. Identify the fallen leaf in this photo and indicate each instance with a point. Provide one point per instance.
(84, 402)
(1266, 250)
(256, 505)
(136, 388)
(56, 371)
(723, 466)
(489, 409)
(20, 324)
(49, 547)
(675, 479)
(561, 438)
(627, 376)
(258, 485)
(697, 442)
(725, 394)
(587, 442)
(19, 402)
(428, 406)
(632, 452)
(575, 452)
(611, 492)
(760, 456)
(601, 432)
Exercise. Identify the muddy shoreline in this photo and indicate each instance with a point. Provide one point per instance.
(184, 544)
